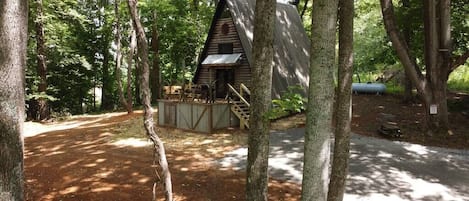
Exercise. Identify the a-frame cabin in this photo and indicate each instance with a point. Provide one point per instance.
(225, 67)
(226, 56)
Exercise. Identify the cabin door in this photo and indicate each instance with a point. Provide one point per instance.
(223, 77)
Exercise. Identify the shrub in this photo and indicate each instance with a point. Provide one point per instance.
(290, 102)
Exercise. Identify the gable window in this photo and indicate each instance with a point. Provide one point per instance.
(225, 48)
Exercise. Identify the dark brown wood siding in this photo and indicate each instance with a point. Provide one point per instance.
(242, 71)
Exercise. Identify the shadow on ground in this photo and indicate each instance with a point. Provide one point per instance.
(82, 163)
(379, 169)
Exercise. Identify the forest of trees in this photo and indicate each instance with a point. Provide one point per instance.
(72, 51)
(92, 56)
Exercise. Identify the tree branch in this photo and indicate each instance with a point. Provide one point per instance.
(401, 46)
(459, 61)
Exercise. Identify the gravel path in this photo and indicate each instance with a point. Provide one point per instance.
(379, 169)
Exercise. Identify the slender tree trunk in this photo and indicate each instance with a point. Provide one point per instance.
(137, 79)
(122, 99)
(408, 96)
(130, 59)
(106, 97)
(258, 140)
(155, 73)
(343, 106)
(107, 91)
(42, 105)
(159, 150)
(320, 99)
(13, 39)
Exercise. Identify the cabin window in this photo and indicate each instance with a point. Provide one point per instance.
(225, 48)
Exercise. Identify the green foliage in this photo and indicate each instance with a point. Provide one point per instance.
(460, 26)
(393, 88)
(371, 46)
(38, 96)
(80, 55)
(374, 52)
(459, 79)
(182, 31)
(290, 102)
(67, 55)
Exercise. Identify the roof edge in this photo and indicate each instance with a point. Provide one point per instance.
(221, 4)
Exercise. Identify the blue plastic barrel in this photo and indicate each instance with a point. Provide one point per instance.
(370, 88)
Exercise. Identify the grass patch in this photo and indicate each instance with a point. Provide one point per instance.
(459, 79)
(392, 88)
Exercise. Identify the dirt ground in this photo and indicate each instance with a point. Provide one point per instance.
(86, 159)
(370, 112)
(103, 157)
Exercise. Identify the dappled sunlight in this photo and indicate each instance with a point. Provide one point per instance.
(383, 170)
(104, 188)
(114, 161)
(379, 169)
(83, 121)
(68, 190)
(417, 149)
(132, 142)
(422, 189)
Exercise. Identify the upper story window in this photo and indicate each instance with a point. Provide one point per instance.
(225, 48)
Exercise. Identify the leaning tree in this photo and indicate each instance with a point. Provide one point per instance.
(159, 150)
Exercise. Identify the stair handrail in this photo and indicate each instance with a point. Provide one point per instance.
(242, 88)
(231, 88)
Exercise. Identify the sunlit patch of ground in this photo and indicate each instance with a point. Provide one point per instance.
(31, 128)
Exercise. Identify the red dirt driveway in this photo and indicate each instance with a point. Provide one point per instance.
(77, 160)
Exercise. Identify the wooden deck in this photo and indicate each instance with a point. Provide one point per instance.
(196, 116)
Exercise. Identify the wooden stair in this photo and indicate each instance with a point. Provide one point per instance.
(239, 105)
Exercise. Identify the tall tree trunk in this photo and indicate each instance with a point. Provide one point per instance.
(320, 99)
(122, 100)
(137, 79)
(107, 102)
(408, 96)
(13, 39)
(343, 106)
(106, 97)
(258, 140)
(130, 59)
(42, 105)
(437, 62)
(432, 86)
(155, 73)
(159, 150)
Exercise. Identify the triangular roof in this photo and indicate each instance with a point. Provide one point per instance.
(291, 43)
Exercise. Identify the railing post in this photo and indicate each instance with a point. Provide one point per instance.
(240, 90)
